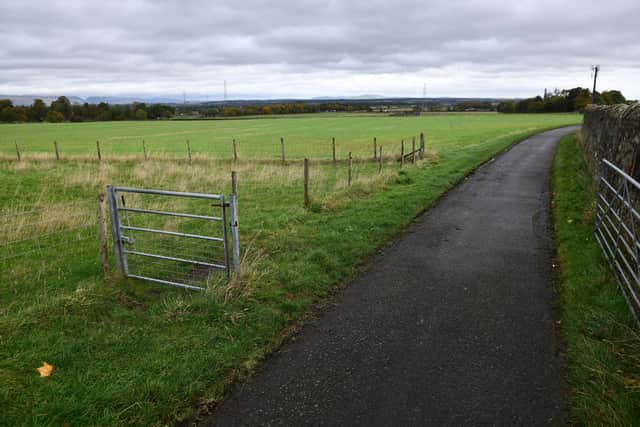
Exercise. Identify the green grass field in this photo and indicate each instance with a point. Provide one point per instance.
(131, 352)
(601, 337)
(305, 136)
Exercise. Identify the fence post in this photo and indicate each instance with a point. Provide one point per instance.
(102, 225)
(282, 149)
(144, 149)
(306, 183)
(333, 146)
(235, 239)
(413, 150)
(18, 151)
(189, 150)
(350, 168)
(402, 153)
(115, 228)
(235, 151)
(421, 145)
(55, 147)
(98, 150)
(375, 150)
(380, 158)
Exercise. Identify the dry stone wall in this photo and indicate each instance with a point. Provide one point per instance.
(612, 133)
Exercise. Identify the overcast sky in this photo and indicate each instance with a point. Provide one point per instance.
(317, 48)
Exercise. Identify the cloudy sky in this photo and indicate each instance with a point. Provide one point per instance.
(311, 48)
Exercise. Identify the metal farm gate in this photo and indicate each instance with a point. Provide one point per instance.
(617, 227)
(173, 238)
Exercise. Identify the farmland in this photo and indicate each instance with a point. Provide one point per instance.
(126, 351)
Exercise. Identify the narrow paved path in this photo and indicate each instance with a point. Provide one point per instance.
(451, 325)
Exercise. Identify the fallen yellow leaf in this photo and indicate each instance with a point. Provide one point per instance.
(570, 220)
(45, 370)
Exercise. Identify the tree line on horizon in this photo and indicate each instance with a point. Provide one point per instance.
(562, 101)
(62, 110)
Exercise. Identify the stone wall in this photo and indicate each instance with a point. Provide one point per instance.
(613, 133)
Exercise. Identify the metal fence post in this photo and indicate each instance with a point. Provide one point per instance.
(115, 229)
(98, 150)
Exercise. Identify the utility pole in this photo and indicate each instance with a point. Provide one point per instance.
(595, 70)
(424, 97)
(224, 99)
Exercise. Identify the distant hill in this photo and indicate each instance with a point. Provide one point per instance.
(48, 99)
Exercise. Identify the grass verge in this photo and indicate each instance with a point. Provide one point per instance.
(601, 338)
(137, 353)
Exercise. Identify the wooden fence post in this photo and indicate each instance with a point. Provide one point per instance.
(55, 147)
(402, 153)
(102, 225)
(98, 150)
(413, 150)
(380, 159)
(333, 145)
(282, 149)
(421, 145)
(189, 150)
(235, 239)
(144, 149)
(306, 183)
(235, 151)
(375, 150)
(234, 183)
(350, 169)
(18, 151)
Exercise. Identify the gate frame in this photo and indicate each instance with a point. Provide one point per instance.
(118, 239)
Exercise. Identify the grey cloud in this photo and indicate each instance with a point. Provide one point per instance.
(55, 45)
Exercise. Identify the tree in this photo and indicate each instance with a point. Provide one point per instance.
(38, 111)
(141, 114)
(62, 105)
(611, 97)
(55, 116)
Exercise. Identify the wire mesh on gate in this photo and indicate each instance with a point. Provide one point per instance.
(616, 229)
(167, 237)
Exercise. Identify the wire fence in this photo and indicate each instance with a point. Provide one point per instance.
(52, 246)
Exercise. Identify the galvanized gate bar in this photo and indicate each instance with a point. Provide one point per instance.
(171, 233)
(178, 214)
(169, 193)
(170, 258)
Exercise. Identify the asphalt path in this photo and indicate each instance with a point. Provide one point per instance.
(452, 324)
